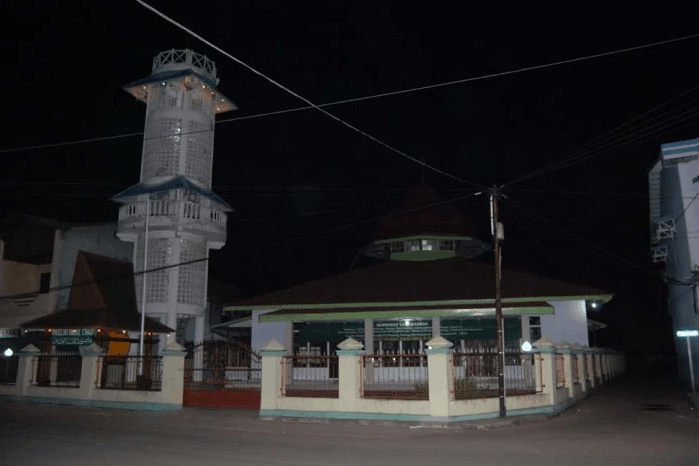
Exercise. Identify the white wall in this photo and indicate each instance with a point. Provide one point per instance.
(263, 332)
(97, 239)
(568, 323)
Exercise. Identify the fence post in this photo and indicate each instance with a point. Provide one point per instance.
(24, 369)
(546, 368)
(349, 369)
(590, 367)
(88, 370)
(578, 357)
(565, 348)
(597, 356)
(172, 388)
(271, 384)
(440, 372)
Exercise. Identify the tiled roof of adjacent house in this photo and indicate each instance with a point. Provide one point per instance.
(103, 296)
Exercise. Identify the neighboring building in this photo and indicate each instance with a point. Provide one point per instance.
(674, 215)
(426, 286)
(101, 308)
(37, 255)
(173, 206)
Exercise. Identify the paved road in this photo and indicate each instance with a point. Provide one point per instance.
(609, 428)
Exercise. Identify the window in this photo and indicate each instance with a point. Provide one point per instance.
(191, 196)
(446, 245)
(397, 246)
(429, 245)
(45, 282)
(413, 245)
(534, 328)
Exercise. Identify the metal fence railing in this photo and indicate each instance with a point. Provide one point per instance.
(396, 376)
(576, 370)
(586, 372)
(57, 369)
(219, 376)
(8, 369)
(476, 376)
(130, 373)
(222, 365)
(310, 376)
(560, 371)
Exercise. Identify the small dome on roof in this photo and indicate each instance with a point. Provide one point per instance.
(424, 213)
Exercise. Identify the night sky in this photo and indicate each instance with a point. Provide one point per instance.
(303, 175)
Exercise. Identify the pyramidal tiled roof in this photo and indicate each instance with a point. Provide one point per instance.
(445, 280)
(103, 296)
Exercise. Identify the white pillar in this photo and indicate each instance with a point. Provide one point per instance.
(441, 375)
(350, 356)
(88, 372)
(25, 369)
(272, 372)
(172, 389)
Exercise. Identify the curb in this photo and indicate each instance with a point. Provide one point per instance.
(461, 425)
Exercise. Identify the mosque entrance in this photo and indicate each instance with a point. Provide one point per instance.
(222, 374)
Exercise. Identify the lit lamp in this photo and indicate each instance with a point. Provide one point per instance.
(688, 334)
(526, 346)
(8, 352)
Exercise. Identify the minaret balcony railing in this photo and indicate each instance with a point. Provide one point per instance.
(183, 211)
(187, 57)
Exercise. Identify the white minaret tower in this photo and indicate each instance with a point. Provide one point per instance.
(173, 205)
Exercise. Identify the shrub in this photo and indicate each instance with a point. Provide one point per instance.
(465, 388)
(422, 390)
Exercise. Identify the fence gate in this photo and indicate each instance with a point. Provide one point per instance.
(222, 374)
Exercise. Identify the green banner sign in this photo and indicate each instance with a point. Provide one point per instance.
(479, 329)
(393, 330)
(79, 337)
(334, 332)
(403, 330)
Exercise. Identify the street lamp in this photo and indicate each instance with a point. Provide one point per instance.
(688, 334)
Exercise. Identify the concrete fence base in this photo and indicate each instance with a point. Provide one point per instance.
(557, 388)
(87, 393)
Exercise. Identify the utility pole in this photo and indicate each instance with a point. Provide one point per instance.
(498, 234)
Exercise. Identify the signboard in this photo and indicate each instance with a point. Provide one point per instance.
(333, 332)
(83, 336)
(406, 330)
(403, 330)
(9, 333)
(479, 329)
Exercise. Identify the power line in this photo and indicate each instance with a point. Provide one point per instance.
(685, 209)
(244, 250)
(620, 142)
(362, 98)
(566, 159)
(103, 280)
(308, 102)
(591, 246)
(593, 194)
